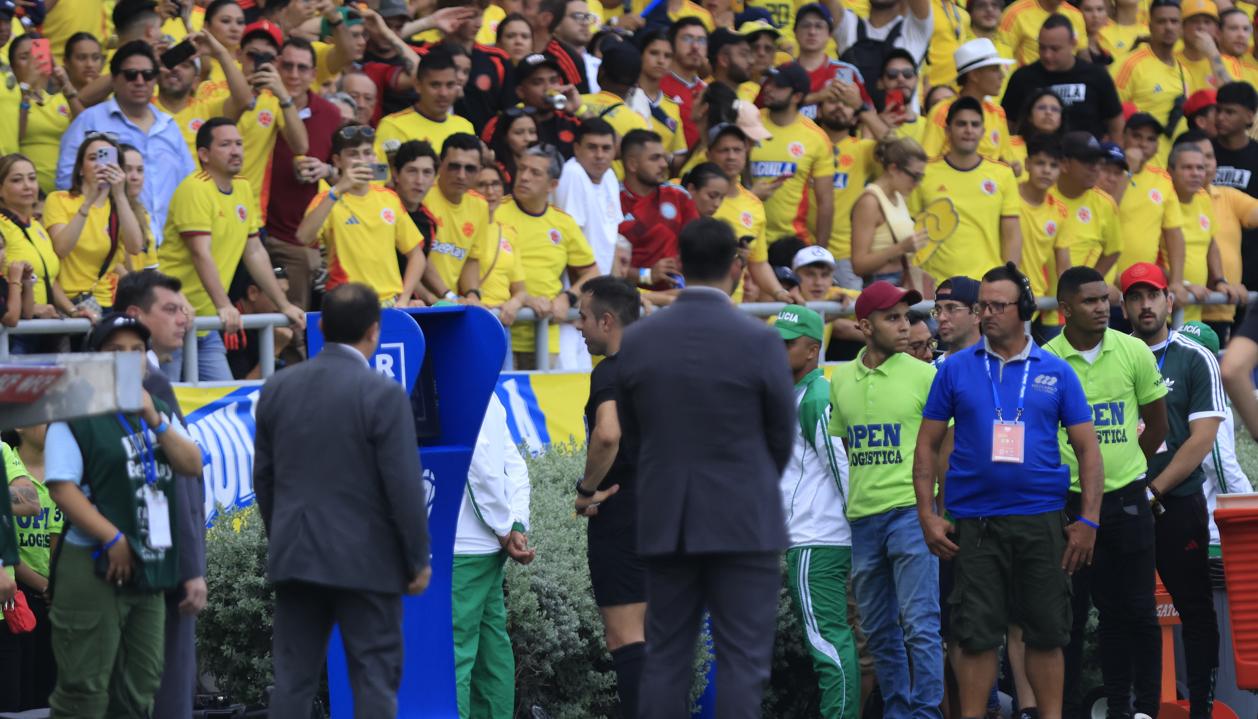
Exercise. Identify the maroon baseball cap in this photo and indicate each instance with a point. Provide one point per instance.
(1142, 273)
(883, 295)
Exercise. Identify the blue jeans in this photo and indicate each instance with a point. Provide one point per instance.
(896, 582)
(211, 361)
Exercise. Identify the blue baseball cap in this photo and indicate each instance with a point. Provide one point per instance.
(958, 289)
(1113, 154)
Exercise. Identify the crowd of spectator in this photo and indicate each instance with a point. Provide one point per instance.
(241, 156)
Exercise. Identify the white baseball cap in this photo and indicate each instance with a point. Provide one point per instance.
(977, 53)
(812, 255)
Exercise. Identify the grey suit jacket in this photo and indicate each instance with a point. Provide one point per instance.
(337, 477)
(708, 392)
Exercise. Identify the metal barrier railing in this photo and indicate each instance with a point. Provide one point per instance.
(266, 324)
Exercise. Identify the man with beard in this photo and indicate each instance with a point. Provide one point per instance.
(177, 88)
(1149, 210)
(854, 167)
(1236, 34)
(729, 55)
(539, 78)
(799, 151)
(1237, 157)
(1154, 80)
(654, 211)
(212, 228)
(1195, 409)
(491, 75)
(1122, 383)
(684, 83)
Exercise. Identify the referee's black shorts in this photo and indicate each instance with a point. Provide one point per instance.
(617, 573)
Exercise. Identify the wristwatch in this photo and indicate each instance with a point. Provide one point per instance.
(582, 490)
(572, 297)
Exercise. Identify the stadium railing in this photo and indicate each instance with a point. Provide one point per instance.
(266, 324)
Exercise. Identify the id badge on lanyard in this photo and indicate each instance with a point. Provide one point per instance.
(156, 507)
(1008, 438)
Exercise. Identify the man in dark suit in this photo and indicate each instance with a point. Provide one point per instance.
(337, 477)
(707, 390)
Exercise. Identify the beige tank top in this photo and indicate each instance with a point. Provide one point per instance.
(897, 223)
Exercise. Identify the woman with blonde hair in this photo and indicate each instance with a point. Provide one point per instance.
(883, 235)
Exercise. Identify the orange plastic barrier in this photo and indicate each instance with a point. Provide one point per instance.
(1238, 531)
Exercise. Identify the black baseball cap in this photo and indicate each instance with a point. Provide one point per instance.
(1144, 119)
(533, 61)
(622, 63)
(111, 323)
(8, 8)
(1080, 145)
(792, 75)
(721, 38)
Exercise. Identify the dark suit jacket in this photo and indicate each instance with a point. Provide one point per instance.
(708, 392)
(337, 477)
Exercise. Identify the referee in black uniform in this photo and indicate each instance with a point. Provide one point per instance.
(606, 492)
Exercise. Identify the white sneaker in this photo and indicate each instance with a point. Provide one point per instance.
(1141, 715)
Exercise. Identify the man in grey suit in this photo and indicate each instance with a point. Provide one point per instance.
(337, 477)
(708, 392)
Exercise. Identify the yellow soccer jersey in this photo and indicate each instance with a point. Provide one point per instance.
(258, 128)
(801, 151)
(1020, 28)
(995, 144)
(1092, 227)
(1198, 231)
(1201, 72)
(745, 215)
(192, 117)
(611, 108)
(1152, 85)
(505, 270)
(46, 122)
(1249, 69)
(214, 86)
(783, 11)
(10, 101)
(952, 28)
(982, 196)
(410, 125)
(199, 207)
(666, 122)
(1120, 40)
(363, 234)
(1041, 230)
(462, 233)
(68, 17)
(33, 246)
(854, 167)
(1148, 207)
(81, 269)
(488, 33)
(1231, 208)
(546, 246)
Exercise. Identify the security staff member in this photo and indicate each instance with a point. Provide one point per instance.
(1006, 489)
(1119, 376)
(876, 406)
(1195, 409)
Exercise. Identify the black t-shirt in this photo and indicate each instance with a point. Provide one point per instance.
(1087, 92)
(1239, 169)
(619, 510)
(1248, 328)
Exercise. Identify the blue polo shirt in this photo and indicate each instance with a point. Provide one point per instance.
(978, 487)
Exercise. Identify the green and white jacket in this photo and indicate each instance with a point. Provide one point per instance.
(814, 483)
(496, 498)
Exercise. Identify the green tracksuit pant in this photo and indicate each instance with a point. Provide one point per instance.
(484, 666)
(818, 582)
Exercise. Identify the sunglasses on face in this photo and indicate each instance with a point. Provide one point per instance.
(132, 75)
(353, 132)
(906, 73)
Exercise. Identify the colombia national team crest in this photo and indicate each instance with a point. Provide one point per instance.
(468, 228)
(242, 213)
(746, 220)
(1204, 221)
(989, 187)
(555, 237)
(1084, 215)
(265, 118)
(796, 149)
(1050, 228)
(1155, 196)
(387, 215)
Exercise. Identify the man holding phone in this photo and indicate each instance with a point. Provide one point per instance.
(273, 111)
(364, 225)
(177, 80)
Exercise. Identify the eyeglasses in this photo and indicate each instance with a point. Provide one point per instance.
(907, 73)
(701, 40)
(457, 167)
(914, 176)
(917, 347)
(353, 132)
(585, 18)
(995, 308)
(132, 75)
(949, 309)
(287, 66)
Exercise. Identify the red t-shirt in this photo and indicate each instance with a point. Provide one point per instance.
(684, 95)
(384, 75)
(652, 222)
(289, 198)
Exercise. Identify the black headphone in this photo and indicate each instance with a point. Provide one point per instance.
(1026, 297)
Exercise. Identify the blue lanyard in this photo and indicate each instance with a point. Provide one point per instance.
(1165, 350)
(1026, 369)
(148, 457)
